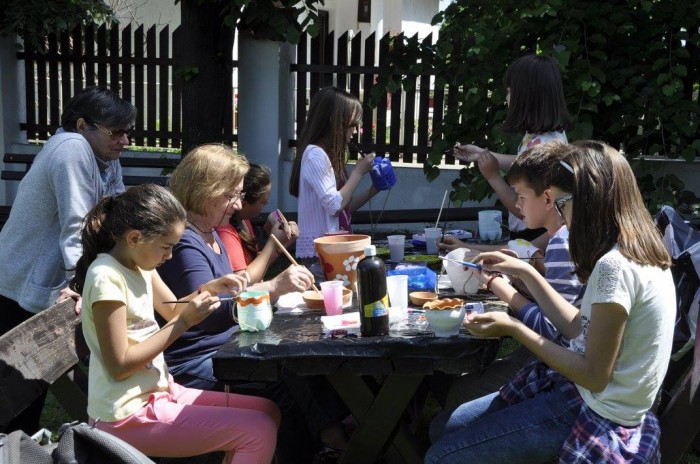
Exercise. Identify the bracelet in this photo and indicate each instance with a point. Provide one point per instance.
(488, 283)
(199, 289)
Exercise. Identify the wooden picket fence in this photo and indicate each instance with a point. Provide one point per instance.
(401, 125)
(140, 64)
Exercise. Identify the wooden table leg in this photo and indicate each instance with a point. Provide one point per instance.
(379, 417)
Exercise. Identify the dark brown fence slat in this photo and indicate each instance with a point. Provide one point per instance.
(30, 96)
(78, 72)
(151, 86)
(315, 78)
(164, 83)
(382, 104)
(89, 56)
(424, 107)
(177, 94)
(115, 82)
(302, 50)
(409, 121)
(54, 93)
(228, 109)
(327, 77)
(67, 64)
(102, 51)
(355, 57)
(395, 126)
(438, 100)
(452, 91)
(342, 77)
(139, 88)
(368, 132)
(126, 68)
(42, 94)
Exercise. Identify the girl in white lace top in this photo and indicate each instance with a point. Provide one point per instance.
(325, 191)
(589, 402)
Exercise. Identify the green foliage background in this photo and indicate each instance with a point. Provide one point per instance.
(630, 68)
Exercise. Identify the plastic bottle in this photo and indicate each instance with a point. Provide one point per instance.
(374, 302)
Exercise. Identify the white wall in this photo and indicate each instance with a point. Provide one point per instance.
(148, 12)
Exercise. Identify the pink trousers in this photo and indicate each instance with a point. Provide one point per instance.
(187, 422)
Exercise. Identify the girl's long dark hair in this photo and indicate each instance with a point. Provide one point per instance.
(332, 112)
(257, 181)
(148, 208)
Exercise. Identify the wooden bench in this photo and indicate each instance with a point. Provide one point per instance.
(40, 354)
(145, 161)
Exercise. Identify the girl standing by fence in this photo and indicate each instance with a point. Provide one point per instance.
(325, 191)
(590, 402)
(537, 107)
(131, 394)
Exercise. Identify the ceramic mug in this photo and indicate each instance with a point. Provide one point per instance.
(254, 310)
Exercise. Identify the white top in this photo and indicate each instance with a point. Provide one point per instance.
(108, 398)
(319, 200)
(648, 295)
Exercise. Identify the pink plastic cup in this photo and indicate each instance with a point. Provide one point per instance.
(332, 291)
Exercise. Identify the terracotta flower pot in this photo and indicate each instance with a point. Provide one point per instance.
(339, 255)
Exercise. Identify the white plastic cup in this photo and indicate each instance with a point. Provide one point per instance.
(397, 244)
(432, 235)
(332, 291)
(490, 224)
(397, 288)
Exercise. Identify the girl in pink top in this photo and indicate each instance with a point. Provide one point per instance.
(325, 191)
(241, 244)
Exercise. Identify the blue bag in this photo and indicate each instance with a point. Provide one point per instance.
(419, 278)
(382, 174)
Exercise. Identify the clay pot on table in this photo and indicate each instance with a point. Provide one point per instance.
(339, 255)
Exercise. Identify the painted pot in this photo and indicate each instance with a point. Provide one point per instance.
(254, 310)
(339, 255)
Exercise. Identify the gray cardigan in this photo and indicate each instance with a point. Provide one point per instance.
(40, 243)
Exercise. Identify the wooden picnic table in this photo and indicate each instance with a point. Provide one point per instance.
(376, 377)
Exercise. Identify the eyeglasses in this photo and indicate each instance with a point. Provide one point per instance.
(114, 134)
(560, 202)
(235, 197)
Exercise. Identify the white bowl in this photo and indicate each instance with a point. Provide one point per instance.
(445, 322)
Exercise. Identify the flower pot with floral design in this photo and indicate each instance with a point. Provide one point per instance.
(339, 255)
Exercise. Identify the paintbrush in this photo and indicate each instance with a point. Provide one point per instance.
(225, 298)
(463, 263)
(289, 257)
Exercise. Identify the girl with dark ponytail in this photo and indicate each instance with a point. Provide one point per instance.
(125, 238)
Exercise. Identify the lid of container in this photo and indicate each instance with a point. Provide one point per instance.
(370, 250)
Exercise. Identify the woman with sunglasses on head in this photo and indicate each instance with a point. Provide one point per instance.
(589, 402)
(326, 193)
(40, 242)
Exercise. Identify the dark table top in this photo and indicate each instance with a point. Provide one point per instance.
(297, 343)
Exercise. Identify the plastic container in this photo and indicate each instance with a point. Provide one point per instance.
(382, 174)
(372, 293)
(419, 278)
